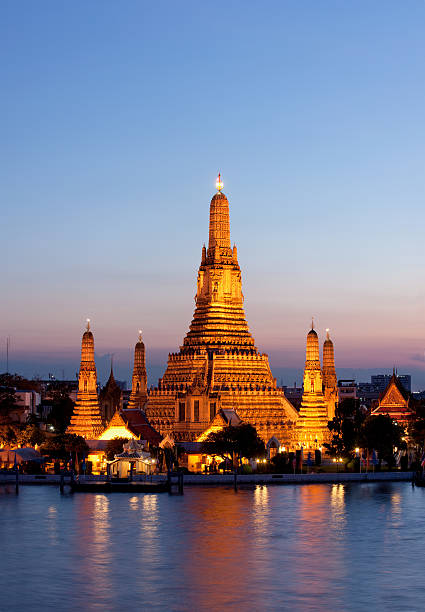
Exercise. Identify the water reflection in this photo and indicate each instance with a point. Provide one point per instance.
(93, 542)
(52, 527)
(315, 547)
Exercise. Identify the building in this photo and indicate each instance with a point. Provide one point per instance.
(381, 381)
(27, 403)
(86, 420)
(110, 398)
(128, 424)
(347, 389)
(395, 402)
(311, 429)
(139, 395)
(218, 366)
(330, 386)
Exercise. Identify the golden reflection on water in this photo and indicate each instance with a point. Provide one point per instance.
(94, 542)
(221, 547)
(149, 523)
(261, 509)
(317, 570)
(338, 513)
(52, 524)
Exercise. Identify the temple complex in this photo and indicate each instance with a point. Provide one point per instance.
(138, 394)
(218, 366)
(330, 382)
(86, 420)
(312, 426)
(110, 398)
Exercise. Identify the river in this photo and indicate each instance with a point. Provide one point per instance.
(299, 548)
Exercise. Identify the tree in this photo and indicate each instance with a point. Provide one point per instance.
(7, 402)
(62, 408)
(416, 428)
(114, 447)
(382, 434)
(9, 434)
(235, 442)
(62, 445)
(19, 382)
(30, 436)
(345, 428)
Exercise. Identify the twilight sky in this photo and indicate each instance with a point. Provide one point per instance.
(116, 117)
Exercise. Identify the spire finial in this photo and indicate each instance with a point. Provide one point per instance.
(312, 322)
(327, 333)
(88, 324)
(219, 183)
(140, 335)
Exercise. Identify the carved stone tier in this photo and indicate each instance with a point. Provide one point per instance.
(138, 394)
(86, 420)
(312, 426)
(330, 383)
(218, 365)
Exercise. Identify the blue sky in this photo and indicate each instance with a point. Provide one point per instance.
(116, 118)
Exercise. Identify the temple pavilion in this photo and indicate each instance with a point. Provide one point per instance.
(395, 402)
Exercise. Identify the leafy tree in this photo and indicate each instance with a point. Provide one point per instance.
(114, 447)
(9, 434)
(30, 436)
(62, 408)
(7, 402)
(416, 429)
(62, 445)
(281, 463)
(235, 442)
(345, 429)
(381, 434)
(19, 382)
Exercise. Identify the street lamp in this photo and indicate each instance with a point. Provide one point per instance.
(360, 459)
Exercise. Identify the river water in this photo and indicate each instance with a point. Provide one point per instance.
(311, 547)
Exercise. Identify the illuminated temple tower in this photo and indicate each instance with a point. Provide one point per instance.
(218, 365)
(138, 394)
(311, 428)
(330, 383)
(86, 419)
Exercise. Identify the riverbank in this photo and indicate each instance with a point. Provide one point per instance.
(229, 479)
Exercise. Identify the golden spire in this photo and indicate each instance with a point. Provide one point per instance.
(219, 183)
(312, 322)
(219, 234)
(327, 334)
(86, 419)
(138, 394)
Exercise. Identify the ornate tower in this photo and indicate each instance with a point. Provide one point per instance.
(311, 427)
(86, 420)
(110, 398)
(218, 365)
(138, 394)
(330, 382)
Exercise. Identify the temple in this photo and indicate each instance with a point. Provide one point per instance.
(311, 429)
(86, 420)
(330, 382)
(218, 366)
(110, 398)
(395, 402)
(138, 394)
